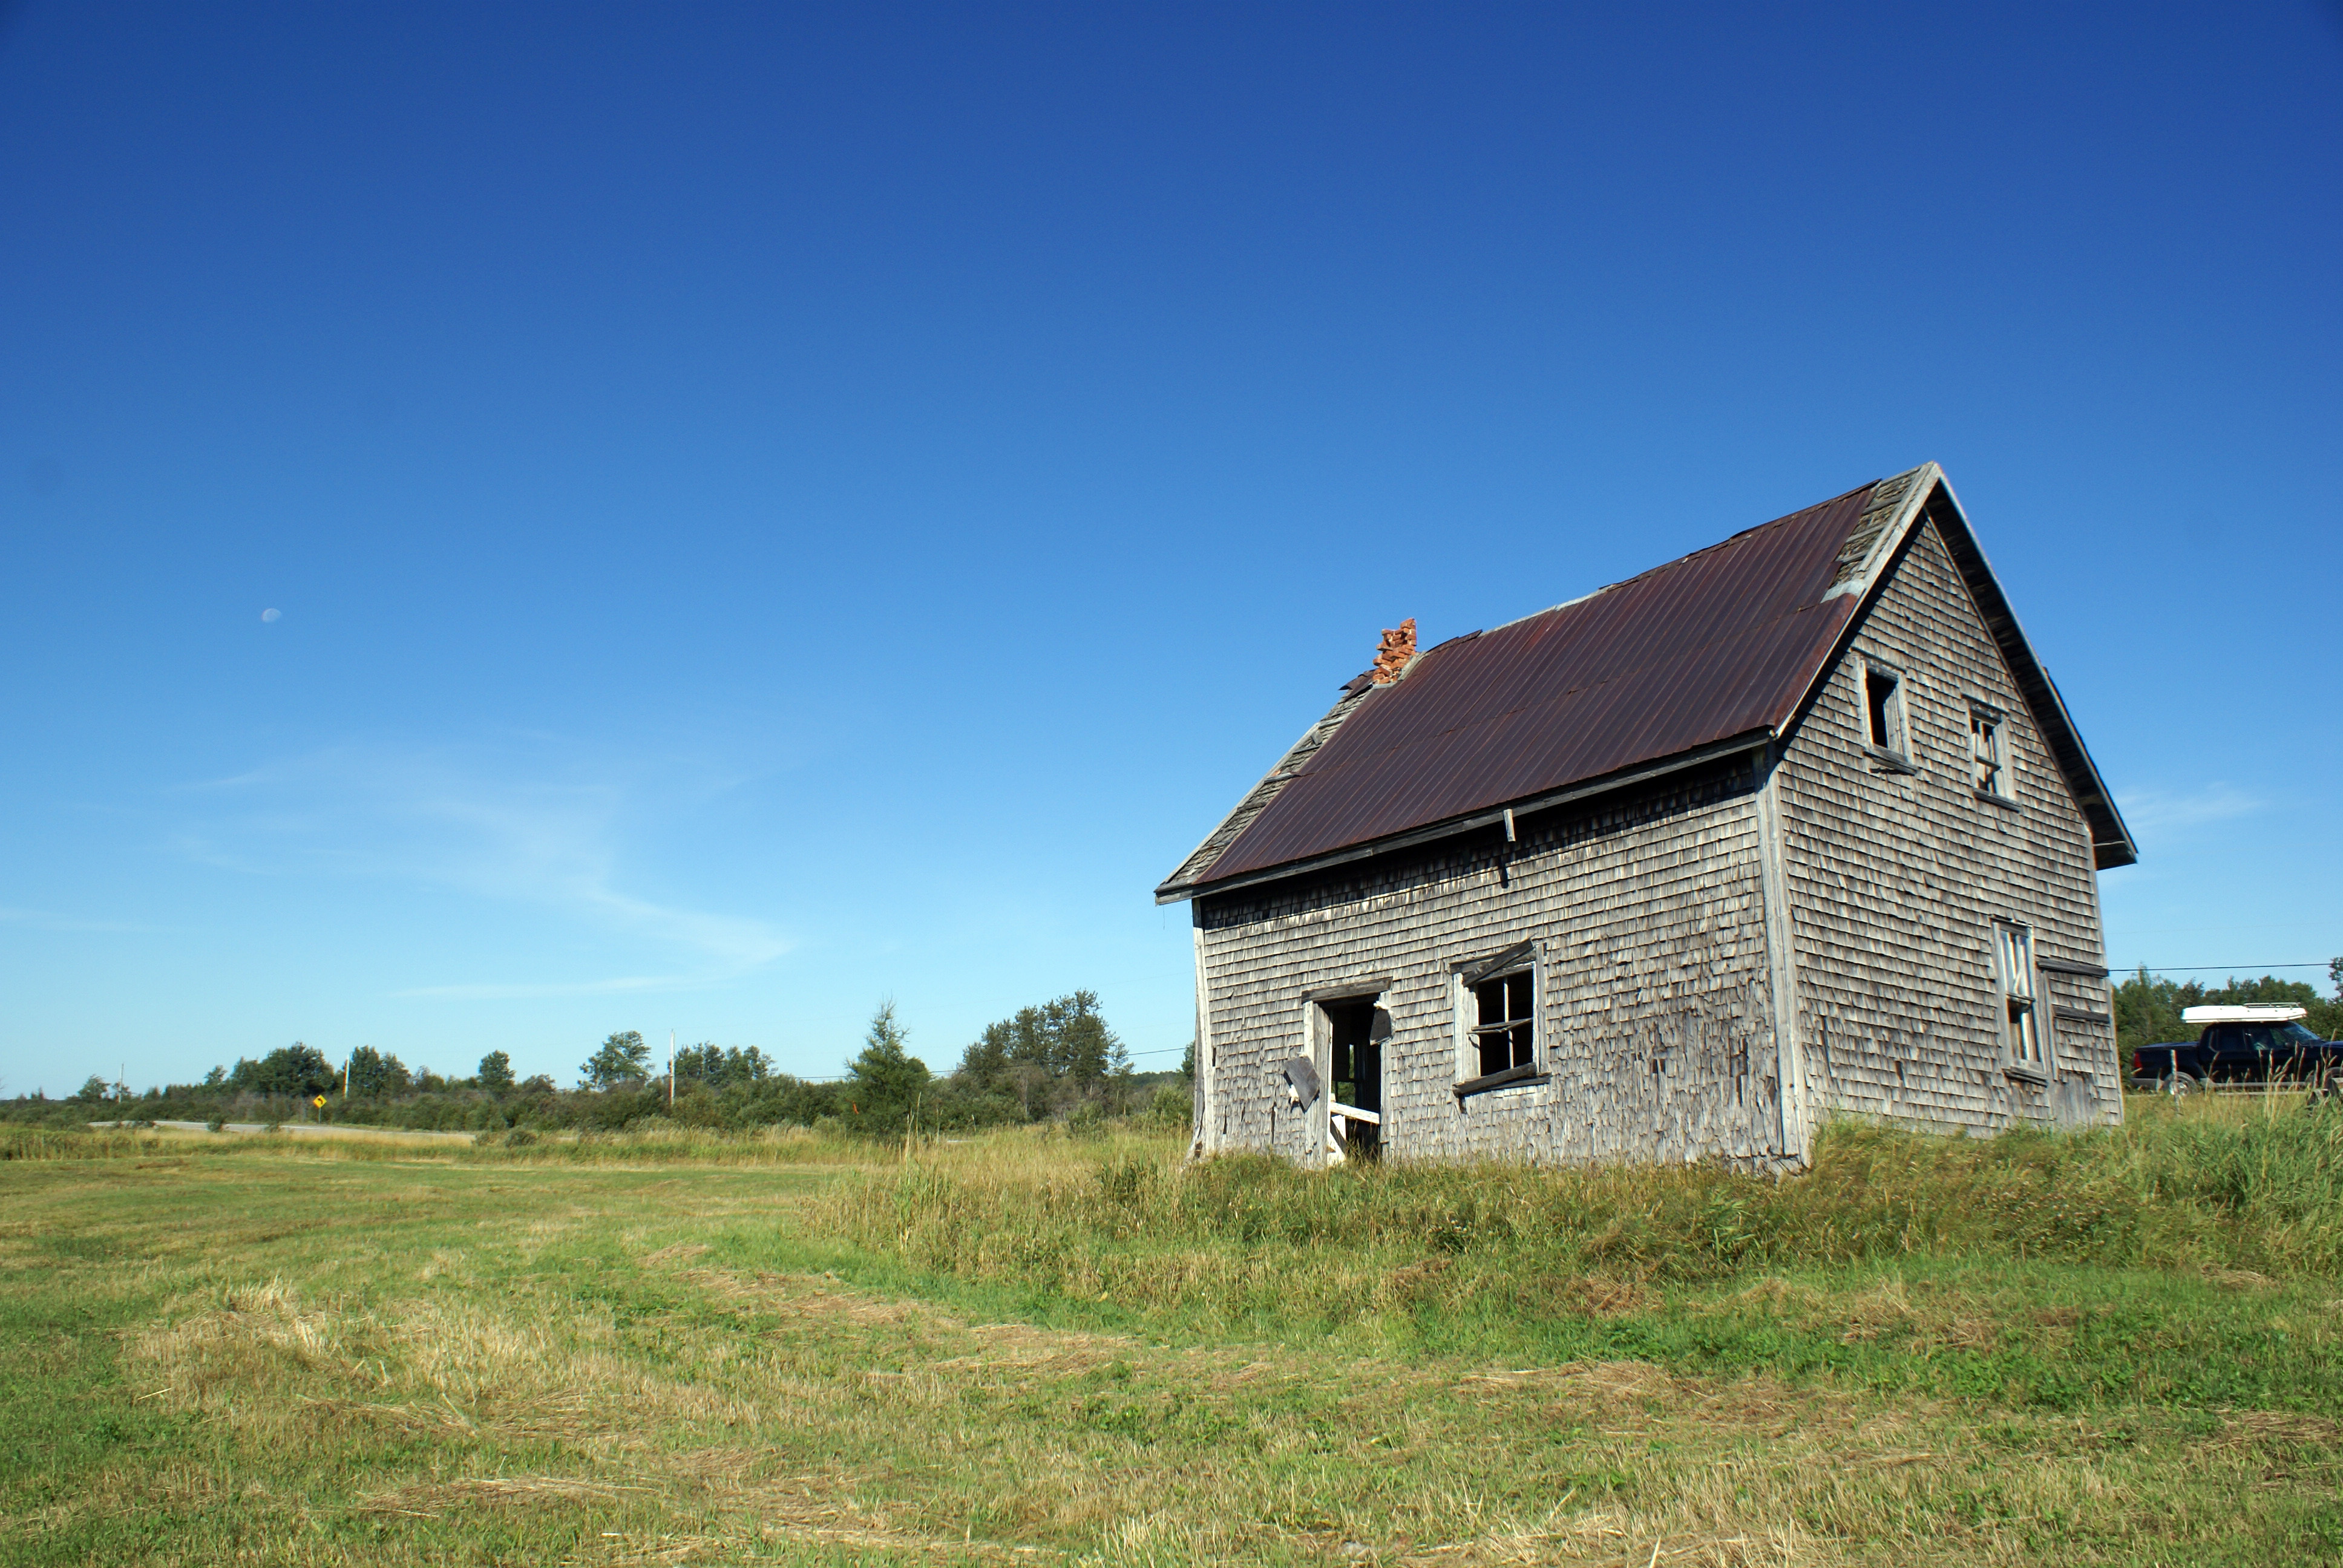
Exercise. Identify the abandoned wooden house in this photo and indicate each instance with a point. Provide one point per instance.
(1797, 826)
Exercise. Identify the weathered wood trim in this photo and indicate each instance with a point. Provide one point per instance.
(1207, 1099)
(1781, 967)
(1319, 1034)
(1475, 970)
(2080, 1015)
(1462, 1055)
(1745, 742)
(2066, 967)
(1541, 1039)
(1368, 986)
(1511, 1078)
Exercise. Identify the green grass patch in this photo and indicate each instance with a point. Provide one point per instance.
(2113, 1348)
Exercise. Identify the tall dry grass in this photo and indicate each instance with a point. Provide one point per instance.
(2255, 1185)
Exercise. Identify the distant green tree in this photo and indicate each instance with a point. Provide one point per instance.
(215, 1078)
(96, 1089)
(1085, 1050)
(1187, 1060)
(1046, 1057)
(721, 1068)
(623, 1059)
(2335, 973)
(372, 1073)
(295, 1069)
(496, 1071)
(882, 1082)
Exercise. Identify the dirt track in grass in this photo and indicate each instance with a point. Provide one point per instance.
(288, 1358)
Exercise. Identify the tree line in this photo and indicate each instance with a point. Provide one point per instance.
(1056, 1060)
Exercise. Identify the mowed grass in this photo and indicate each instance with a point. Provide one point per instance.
(2119, 1348)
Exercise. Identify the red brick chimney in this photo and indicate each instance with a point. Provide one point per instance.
(1398, 648)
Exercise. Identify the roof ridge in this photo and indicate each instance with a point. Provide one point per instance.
(1704, 550)
(1628, 672)
(1866, 539)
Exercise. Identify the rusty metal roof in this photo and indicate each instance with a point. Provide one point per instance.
(1714, 650)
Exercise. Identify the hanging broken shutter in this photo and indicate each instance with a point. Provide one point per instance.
(1302, 1074)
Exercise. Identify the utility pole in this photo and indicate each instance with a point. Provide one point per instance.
(670, 1069)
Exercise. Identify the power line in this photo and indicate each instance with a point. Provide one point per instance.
(2233, 969)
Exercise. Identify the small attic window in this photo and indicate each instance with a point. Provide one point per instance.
(1883, 710)
(1988, 752)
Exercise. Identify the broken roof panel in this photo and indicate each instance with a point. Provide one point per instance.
(1720, 646)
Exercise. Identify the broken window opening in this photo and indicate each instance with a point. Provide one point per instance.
(2021, 1032)
(1988, 752)
(1505, 1030)
(1883, 702)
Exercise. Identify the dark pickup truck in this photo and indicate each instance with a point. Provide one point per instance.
(2235, 1046)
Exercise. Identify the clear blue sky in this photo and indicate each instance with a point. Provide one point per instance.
(772, 509)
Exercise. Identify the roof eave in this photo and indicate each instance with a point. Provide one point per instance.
(1173, 893)
(1256, 799)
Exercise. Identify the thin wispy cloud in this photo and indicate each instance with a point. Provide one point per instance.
(2169, 813)
(522, 822)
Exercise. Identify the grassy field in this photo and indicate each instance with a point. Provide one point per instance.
(2119, 1348)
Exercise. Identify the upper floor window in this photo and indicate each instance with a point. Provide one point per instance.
(2021, 1031)
(1988, 752)
(1883, 710)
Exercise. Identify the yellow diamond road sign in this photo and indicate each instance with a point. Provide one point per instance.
(319, 1102)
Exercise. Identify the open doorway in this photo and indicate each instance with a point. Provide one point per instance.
(1357, 1030)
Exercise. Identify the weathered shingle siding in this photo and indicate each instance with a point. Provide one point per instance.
(1654, 1003)
(1894, 880)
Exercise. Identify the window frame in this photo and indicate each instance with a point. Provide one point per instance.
(2017, 1012)
(1510, 1024)
(1896, 712)
(1525, 960)
(1989, 743)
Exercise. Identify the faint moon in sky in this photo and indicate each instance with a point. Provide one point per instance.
(270, 614)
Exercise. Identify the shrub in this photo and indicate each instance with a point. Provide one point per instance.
(1172, 1105)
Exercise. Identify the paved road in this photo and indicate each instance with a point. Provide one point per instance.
(303, 1129)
